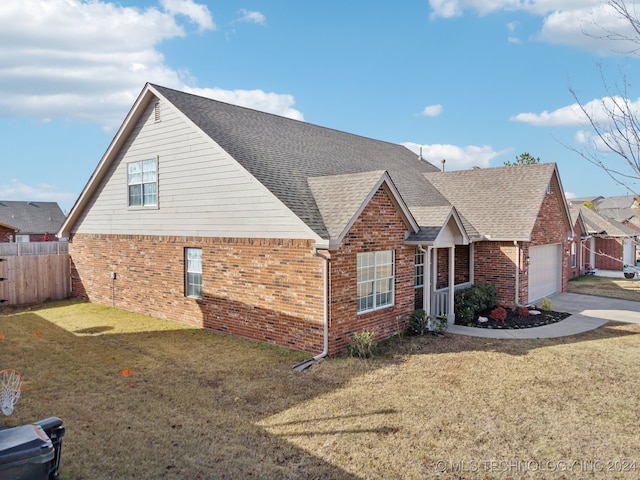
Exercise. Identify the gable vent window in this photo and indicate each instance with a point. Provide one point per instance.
(142, 180)
(156, 111)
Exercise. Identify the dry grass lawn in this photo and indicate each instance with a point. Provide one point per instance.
(606, 287)
(148, 399)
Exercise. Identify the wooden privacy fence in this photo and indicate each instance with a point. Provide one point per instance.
(34, 278)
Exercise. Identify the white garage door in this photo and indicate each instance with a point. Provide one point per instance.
(545, 271)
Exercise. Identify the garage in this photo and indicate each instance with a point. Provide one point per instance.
(545, 271)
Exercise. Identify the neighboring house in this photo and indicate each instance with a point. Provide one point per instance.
(264, 227)
(623, 209)
(579, 264)
(29, 221)
(609, 244)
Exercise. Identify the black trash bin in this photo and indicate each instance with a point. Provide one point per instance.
(31, 452)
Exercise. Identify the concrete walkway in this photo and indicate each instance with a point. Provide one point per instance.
(587, 313)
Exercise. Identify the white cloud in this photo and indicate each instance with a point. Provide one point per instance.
(457, 158)
(569, 195)
(198, 14)
(16, 190)
(572, 115)
(432, 111)
(256, 99)
(247, 16)
(578, 23)
(88, 60)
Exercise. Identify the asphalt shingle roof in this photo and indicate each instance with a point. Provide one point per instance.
(598, 224)
(31, 217)
(283, 154)
(501, 203)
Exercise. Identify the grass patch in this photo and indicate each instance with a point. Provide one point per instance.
(199, 405)
(621, 288)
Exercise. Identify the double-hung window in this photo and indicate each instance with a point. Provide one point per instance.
(573, 255)
(375, 276)
(193, 272)
(419, 268)
(142, 180)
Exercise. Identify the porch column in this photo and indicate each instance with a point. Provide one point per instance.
(426, 287)
(471, 262)
(452, 282)
(434, 276)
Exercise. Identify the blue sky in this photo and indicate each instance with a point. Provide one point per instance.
(476, 82)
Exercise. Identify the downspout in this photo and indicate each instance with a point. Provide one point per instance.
(515, 242)
(325, 315)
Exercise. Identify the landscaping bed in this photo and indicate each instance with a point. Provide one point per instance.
(515, 321)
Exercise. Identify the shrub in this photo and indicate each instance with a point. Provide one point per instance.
(499, 314)
(546, 304)
(523, 311)
(362, 345)
(418, 322)
(421, 323)
(472, 300)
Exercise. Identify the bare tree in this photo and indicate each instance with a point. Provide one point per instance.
(616, 121)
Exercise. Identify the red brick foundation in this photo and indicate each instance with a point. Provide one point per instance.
(267, 290)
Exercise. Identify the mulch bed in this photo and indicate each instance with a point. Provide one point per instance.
(514, 321)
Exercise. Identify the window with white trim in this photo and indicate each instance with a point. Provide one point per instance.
(375, 277)
(142, 181)
(193, 272)
(573, 255)
(419, 268)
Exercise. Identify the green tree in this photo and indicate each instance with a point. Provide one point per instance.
(523, 159)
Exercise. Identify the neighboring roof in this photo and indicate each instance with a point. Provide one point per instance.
(578, 218)
(283, 154)
(31, 217)
(501, 203)
(598, 224)
(620, 209)
(581, 200)
(8, 227)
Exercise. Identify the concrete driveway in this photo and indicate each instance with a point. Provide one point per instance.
(587, 313)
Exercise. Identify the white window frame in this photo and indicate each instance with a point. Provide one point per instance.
(374, 271)
(22, 238)
(193, 272)
(147, 178)
(419, 268)
(574, 262)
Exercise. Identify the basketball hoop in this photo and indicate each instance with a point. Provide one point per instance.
(10, 383)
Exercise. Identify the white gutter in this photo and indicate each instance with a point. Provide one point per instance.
(325, 315)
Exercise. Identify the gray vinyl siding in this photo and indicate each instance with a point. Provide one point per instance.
(202, 191)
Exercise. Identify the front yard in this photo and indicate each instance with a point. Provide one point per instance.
(144, 398)
(621, 288)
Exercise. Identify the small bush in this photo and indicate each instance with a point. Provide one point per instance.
(546, 304)
(523, 311)
(499, 314)
(420, 323)
(472, 300)
(362, 345)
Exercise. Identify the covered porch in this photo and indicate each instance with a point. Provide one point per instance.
(440, 267)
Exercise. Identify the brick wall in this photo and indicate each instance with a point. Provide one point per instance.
(268, 290)
(379, 227)
(495, 263)
(612, 249)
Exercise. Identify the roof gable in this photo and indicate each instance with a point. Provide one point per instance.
(501, 203)
(598, 224)
(342, 198)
